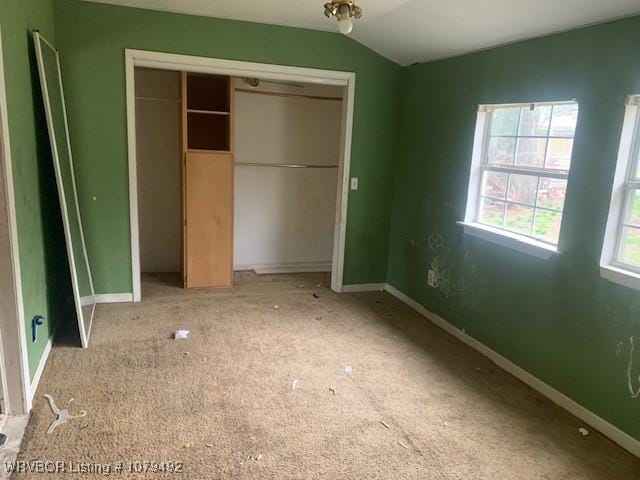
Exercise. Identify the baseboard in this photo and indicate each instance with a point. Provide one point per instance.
(364, 287)
(88, 300)
(272, 268)
(114, 297)
(623, 439)
(41, 364)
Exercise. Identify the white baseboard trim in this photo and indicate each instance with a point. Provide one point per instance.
(88, 300)
(272, 268)
(41, 364)
(623, 439)
(364, 287)
(114, 297)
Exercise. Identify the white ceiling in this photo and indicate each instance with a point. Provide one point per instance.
(409, 31)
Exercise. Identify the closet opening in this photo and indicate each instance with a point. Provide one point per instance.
(237, 173)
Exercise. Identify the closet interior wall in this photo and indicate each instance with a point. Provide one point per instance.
(158, 162)
(285, 217)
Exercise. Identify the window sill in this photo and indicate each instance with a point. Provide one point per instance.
(510, 240)
(620, 276)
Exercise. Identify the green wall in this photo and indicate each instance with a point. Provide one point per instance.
(557, 318)
(92, 39)
(43, 261)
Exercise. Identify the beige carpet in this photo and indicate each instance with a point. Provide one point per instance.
(417, 403)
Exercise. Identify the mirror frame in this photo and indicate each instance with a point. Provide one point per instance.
(40, 42)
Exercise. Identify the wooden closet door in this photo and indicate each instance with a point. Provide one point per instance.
(208, 182)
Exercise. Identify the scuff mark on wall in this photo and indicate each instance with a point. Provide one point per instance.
(635, 392)
(451, 270)
(440, 265)
(435, 241)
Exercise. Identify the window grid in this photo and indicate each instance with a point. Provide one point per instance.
(544, 172)
(631, 186)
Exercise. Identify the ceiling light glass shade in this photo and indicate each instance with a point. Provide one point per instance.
(345, 25)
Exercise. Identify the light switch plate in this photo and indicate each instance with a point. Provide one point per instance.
(354, 183)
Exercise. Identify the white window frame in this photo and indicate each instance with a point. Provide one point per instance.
(624, 184)
(519, 242)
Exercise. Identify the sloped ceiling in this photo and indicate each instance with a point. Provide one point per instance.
(409, 31)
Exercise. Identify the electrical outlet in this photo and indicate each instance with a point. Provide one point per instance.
(354, 183)
(431, 278)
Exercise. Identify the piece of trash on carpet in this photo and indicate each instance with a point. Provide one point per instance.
(276, 307)
(62, 414)
(3, 439)
(348, 369)
(384, 424)
(294, 384)
(583, 431)
(318, 285)
(187, 445)
(315, 295)
(181, 334)
(403, 445)
(332, 390)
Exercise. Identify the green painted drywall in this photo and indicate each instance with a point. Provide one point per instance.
(43, 262)
(92, 39)
(557, 318)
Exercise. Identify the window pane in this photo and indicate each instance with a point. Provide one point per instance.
(504, 121)
(501, 151)
(522, 189)
(530, 152)
(631, 246)
(491, 212)
(559, 153)
(535, 122)
(519, 219)
(494, 184)
(551, 193)
(633, 209)
(564, 120)
(547, 226)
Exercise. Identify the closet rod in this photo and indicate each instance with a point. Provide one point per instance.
(285, 94)
(283, 165)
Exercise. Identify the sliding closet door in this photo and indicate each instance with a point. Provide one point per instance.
(208, 181)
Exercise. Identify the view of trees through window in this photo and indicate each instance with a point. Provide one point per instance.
(629, 252)
(525, 168)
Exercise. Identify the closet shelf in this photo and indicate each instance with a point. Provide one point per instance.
(205, 150)
(208, 112)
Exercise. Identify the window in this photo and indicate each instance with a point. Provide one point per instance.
(620, 259)
(518, 182)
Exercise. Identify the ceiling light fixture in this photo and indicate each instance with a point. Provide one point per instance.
(343, 10)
